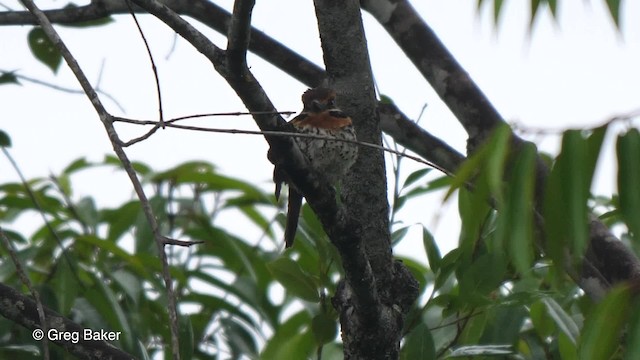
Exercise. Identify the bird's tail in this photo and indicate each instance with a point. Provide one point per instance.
(293, 213)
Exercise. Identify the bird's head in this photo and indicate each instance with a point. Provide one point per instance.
(319, 99)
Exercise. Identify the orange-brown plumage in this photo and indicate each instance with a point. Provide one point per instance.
(329, 160)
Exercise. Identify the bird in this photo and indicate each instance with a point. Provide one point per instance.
(328, 160)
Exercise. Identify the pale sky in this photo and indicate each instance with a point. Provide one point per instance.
(573, 72)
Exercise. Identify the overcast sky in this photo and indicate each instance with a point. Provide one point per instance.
(573, 72)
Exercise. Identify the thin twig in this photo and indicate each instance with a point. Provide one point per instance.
(25, 280)
(169, 123)
(62, 88)
(107, 121)
(235, 113)
(153, 64)
(185, 243)
(40, 210)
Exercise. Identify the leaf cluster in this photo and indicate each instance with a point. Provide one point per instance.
(509, 289)
(99, 266)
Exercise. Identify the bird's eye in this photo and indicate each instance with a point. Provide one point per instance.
(331, 102)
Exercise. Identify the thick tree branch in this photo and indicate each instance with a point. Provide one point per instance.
(238, 36)
(436, 64)
(261, 44)
(320, 196)
(338, 22)
(455, 87)
(408, 134)
(370, 303)
(23, 310)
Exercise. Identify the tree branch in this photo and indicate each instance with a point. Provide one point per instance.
(478, 116)
(408, 134)
(436, 64)
(238, 36)
(107, 121)
(23, 310)
(371, 311)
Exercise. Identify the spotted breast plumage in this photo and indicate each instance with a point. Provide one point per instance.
(330, 160)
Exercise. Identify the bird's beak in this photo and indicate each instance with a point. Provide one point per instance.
(319, 106)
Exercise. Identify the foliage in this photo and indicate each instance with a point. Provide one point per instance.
(537, 5)
(494, 295)
(101, 268)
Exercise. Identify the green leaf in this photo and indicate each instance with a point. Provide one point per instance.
(115, 250)
(12, 351)
(280, 342)
(483, 276)
(185, 336)
(8, 77)
(78, 164)
(129, 283)
(106, 303)
(43, 49)
(121, 219)
(594, 144)
(614, 10)
(542, 322)
(384, 99)
(139, 167)
(418, 344)
(535, 5)
(324, 328)
(633, 338)
(87, 211)
(240, 340)
(568, 350)
(415, 176)
(564, 322)
(576, 186)
(474, 210)
(474, 329)
(628, 151)
(519, 209)
(601, 332)
(490, 159)
(432, 250)
(553, 6)
(482, 350)
(497, 10)
(566, 195)
(450, 262)
(294, 279)
(5, 140)
(66, 284)
(399, 234)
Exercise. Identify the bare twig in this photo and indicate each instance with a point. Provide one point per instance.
(153, 64)
(38, 207)
(185, 243)
(107, 121)
(61, 88)
(170, 123)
